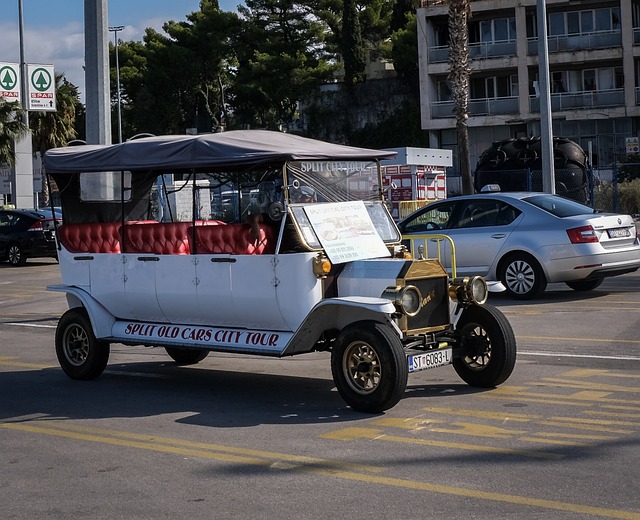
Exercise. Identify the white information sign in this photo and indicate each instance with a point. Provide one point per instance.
(346, 231)
(41, 88)
(10, 82)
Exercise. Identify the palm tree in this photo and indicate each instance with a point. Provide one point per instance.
(12, 128)
(53, 129)
(459, 73)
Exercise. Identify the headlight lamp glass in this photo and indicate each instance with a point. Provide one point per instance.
(469, 290)
(407, 300)
(479, 290)
(410, 300)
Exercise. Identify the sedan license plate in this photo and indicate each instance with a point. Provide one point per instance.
(619, 233)
(433, 359)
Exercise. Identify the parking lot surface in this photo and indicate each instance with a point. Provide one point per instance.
(248, 437)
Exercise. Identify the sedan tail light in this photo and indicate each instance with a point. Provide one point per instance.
(582, 235)
(40, 225)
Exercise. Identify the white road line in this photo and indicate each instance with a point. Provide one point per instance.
(588, 356)
(35, 325)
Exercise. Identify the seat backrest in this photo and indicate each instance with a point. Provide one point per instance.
(161, 238)
(95, 237)
(234, 239)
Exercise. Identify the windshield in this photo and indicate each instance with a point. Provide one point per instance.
(333, 181)
(559, 206)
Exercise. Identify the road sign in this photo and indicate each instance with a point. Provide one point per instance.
(10, 82)
(41, 88)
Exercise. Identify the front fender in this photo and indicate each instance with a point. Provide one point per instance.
(336, 314)
(101, 319)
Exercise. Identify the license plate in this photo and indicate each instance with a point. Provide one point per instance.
(433, 359)
(619, 232)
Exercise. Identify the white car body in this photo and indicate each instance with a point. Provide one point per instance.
(262, 274)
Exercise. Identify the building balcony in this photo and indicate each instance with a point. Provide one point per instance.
(478, 107)
(599, 40)
(477, 51)
(581, 100)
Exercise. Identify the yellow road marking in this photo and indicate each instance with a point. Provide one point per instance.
(593, 428)
(463, 428)
(593, 387)
(7, 361)
(176, 446)
(582, 398)
(321, 467)
(613, 414)
(348, 434)
(481, 414)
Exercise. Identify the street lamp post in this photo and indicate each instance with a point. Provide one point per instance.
(115, 30)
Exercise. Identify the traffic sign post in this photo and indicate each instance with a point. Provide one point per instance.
(10, 82)
(41, 88)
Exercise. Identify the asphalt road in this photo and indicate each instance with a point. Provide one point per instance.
(255, 438)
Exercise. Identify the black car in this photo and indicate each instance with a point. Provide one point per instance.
(27, 233)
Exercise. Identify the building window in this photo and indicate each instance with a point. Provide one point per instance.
(584, 22)
(493, 31)
(493, 87)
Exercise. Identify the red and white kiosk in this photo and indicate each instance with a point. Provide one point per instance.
(419, 175)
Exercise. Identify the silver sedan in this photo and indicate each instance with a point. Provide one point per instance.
(526, 240)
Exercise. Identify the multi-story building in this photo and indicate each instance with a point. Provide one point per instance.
(594, 71)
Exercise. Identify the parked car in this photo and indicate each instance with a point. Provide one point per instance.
(526, 240)
(26, 233)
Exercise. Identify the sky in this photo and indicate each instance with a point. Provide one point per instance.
(54, 30)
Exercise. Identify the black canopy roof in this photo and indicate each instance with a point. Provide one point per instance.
(227, 149)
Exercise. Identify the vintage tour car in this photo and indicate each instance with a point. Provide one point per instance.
(258, 242)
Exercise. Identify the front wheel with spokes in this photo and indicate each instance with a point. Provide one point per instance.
(488, 347)
(369, 367)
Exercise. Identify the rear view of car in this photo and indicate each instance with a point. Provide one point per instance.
(26, 234)
(526, 240)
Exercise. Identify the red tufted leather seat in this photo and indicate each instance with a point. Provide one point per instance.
(234, 239)
(166, 238)
(99, 237)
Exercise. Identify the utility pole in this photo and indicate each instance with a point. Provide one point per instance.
(96, 51)
(22, 194)
(115, 30)
(544, 87)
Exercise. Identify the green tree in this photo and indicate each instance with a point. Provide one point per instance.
(177, 81)
(11, 128)
(281, 57)
(53, 129)
(353, 49)
(404, 52)
(132, 58)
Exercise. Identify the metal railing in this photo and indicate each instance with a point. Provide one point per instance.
(419, 248)
(479, 107)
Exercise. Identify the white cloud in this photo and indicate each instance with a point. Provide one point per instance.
(62, 46)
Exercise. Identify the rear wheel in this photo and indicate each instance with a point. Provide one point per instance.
(585, 285)
(80, 354)
(488, 347)
(16, 255)
(523, 277)
(369, 367)
(187, 356)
